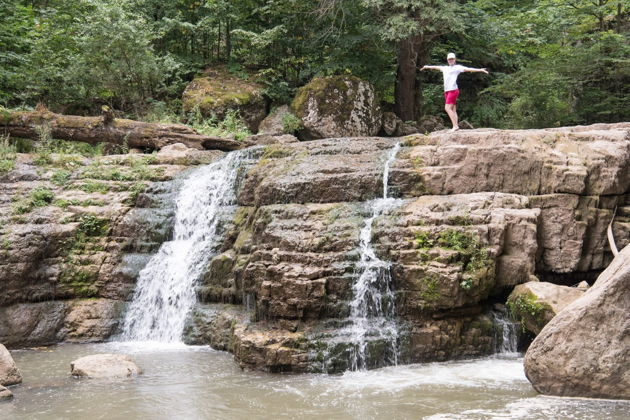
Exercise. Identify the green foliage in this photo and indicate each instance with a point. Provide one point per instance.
(38, 197)
(291, 123)
(60, 177)
(457, 240)
(423, 240)
(92, 186)
(137, 170)
(41, 197)
(526, 306)
(135, 190)
(477, 265)
(553, 62)
(231, 125)
(7, 155)
(74, 202)
(430, 291)
(91, 225)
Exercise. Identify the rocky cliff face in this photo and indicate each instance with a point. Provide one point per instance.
(75, 233)
(480, 211)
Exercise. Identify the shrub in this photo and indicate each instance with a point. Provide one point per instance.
(91, 225)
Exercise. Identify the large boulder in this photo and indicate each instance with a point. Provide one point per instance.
(536, 303)
(585, 350)
(9, 373)
(104, 366)
(338, 106)
(217, 91)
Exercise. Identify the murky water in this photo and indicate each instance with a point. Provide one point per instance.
(199, 383)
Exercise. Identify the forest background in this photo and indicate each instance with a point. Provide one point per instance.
(552, 62)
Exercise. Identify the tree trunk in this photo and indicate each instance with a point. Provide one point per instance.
(106, 129)
(405, 90)
(228, 40)
(422, 59)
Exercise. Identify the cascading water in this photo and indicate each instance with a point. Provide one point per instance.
(506, 333)
(372, 309)
(165, 290)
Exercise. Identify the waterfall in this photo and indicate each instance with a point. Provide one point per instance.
(165, 289)
(372, 309)
(506, 333)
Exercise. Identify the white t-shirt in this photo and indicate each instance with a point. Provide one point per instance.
(450, 74)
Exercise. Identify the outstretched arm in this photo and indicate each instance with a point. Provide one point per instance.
(430, 68)
(473, 70)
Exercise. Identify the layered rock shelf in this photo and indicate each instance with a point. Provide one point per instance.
(480, 212)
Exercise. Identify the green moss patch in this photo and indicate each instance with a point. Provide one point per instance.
(525, 308)
(218, 90)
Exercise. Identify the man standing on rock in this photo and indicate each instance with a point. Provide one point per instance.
(451, 92)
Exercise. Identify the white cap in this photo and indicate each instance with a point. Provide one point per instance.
(450, 55)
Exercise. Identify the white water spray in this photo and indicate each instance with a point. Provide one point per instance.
(373, 309)
(165, 290)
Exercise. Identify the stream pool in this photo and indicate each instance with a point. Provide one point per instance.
(182, 382)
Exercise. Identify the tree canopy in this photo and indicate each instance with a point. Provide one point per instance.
(552, 62)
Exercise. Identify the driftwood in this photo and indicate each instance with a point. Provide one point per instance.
(136, 134)
(611, 237)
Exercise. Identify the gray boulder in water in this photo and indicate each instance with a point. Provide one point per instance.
(9, 373)
(110, 366)
(584, 351)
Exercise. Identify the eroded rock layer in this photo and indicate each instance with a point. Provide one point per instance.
(75, 233)
(479, 212)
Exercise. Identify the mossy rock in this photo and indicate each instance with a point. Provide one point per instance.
(534, 304)
(338, 106)
(216, 91)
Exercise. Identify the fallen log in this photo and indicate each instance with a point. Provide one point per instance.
(135, 134)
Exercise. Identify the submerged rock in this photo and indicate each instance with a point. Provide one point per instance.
(585, 350)
(9, 373)
(5, 394)
(536, 303)
(337, 106)
(104, 366)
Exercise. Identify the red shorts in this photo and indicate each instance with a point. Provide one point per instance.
(451, 96)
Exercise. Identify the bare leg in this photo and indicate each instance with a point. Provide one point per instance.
(451, 110)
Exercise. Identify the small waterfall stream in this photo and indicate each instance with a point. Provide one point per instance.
(506, 333)
(165, 290)
(373, 309)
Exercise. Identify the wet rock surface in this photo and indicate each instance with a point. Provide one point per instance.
(585, 350)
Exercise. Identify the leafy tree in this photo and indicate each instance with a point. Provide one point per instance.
(15, 43)
(413, 25)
